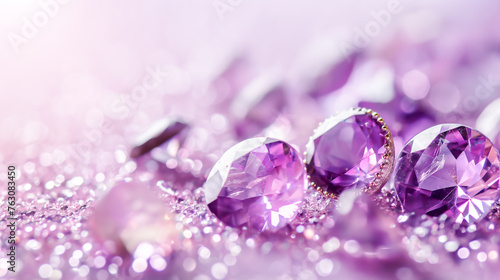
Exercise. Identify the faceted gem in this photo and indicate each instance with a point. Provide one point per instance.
(259, 183)
(448, 169)
(350, 150)
(156, 136)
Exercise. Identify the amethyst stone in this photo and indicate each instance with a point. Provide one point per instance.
(258, 183)
(451, 169)
(352, 149)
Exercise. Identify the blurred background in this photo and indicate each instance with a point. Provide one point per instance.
(82, 81)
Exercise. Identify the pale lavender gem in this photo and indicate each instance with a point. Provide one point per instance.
(131, 214)
(346, 152)
(451, 169)
(335, 77)
(258, 108)
(259, 183)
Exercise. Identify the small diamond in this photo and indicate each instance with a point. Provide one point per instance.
(259, 183)
(451, 169)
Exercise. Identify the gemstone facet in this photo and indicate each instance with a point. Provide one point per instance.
(350, 150)
(258, 183)
(448, 169)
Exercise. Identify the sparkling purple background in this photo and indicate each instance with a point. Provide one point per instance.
(90, 77)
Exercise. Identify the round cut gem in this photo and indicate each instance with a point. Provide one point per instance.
(258, 183)
(448, 169)
(350, 150)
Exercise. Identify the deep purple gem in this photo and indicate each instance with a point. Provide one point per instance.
(347, 151)
(259, 183)
(448, 169)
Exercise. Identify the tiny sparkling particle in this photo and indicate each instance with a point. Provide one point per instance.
(113, 269)
(309, 233)
(49, 185)
(219, 270)
(451, 246)
(158, 263)
(171, 163)
(45, 270)
(99, 177)
(475, 244)
(139, 265)
(442, 238)
(300, 229)
(351, 246)
(313, 255)
(59, 250)
(32, 244)
(99, 261)
(266, 248)
(74, 261)
(189, 264)
(83, 271)
(117, 260)
(493, 255)
(482, 257)
(235, 250)
(324, 267)
(187, 234)
(56, 274)
(463, 253)
(331, 245)
(144, 250)
(77, 254)
(204, 253)
(87, 247)
(216, 238)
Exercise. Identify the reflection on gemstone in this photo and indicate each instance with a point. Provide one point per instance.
(451, 169)
(258, 183)
(160, 132)
(351, 150)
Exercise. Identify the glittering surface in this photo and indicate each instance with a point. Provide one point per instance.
(82, 81)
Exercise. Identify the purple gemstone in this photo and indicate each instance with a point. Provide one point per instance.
(259, 183)
(159, 133)
(350, 150)
(451, 169)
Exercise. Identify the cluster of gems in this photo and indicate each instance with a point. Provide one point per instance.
(448, 169)
(260, 183)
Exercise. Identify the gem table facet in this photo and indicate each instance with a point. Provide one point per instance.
(259, 183)
(451, 169)
(352, 149)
